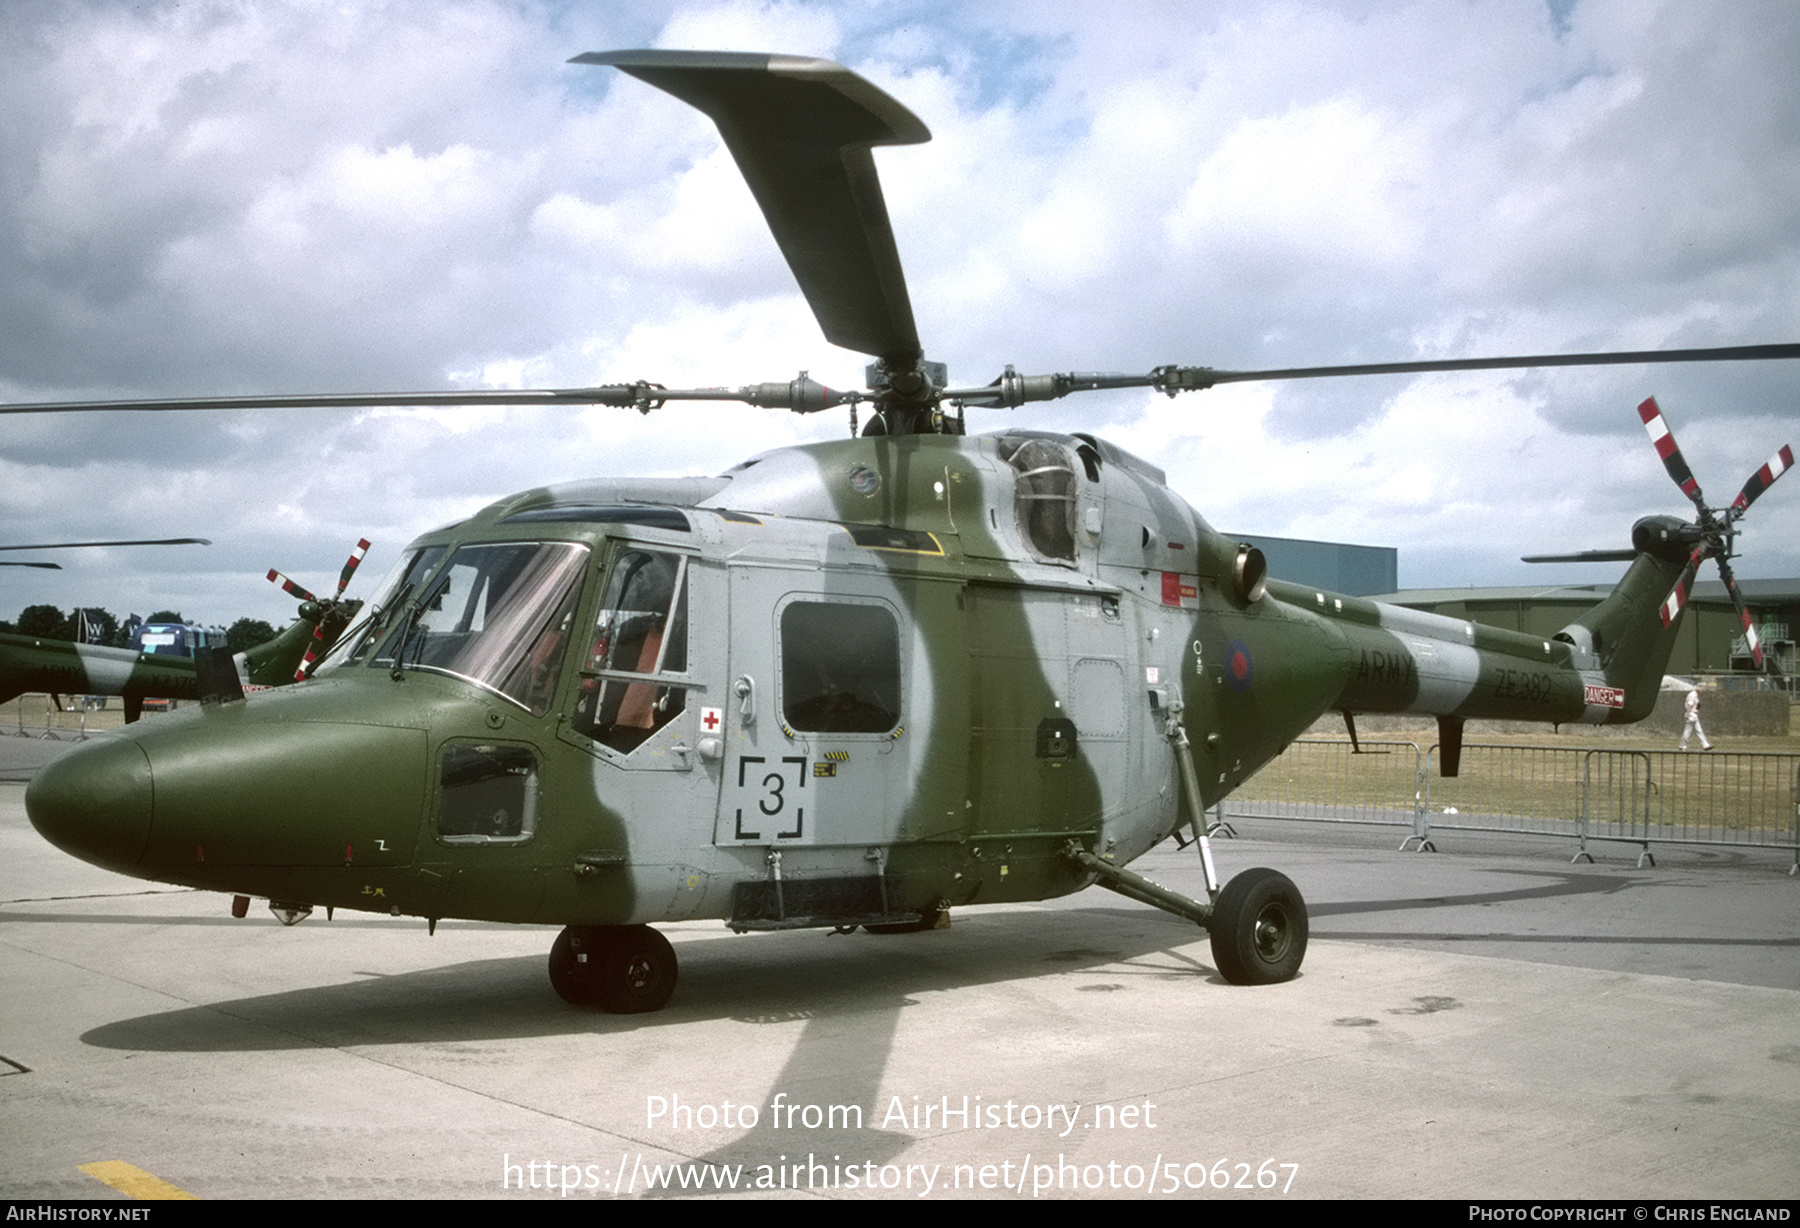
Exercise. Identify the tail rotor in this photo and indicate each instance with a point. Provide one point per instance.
(1717, 528)
(328, 607)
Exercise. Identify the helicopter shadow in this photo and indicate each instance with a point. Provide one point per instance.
(848, 991)
(798, 976)
(809, 976)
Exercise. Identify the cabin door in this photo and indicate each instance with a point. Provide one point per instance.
(816, 746)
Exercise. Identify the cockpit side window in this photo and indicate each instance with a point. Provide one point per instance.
(638, 655)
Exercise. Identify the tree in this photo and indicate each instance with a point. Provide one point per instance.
(166, 616)
(247, 633)
(46, 622)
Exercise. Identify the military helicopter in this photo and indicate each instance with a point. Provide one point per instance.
(846, 684)
(30, 664)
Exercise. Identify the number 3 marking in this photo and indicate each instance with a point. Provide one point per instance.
(774, 797)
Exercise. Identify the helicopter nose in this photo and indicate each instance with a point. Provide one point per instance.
(94, 803)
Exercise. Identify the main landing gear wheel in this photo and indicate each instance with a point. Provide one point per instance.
(624, 969)
(1259, 929)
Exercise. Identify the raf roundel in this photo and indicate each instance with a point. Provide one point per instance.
(1239, 671)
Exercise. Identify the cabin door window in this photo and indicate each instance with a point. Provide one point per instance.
(636, 677)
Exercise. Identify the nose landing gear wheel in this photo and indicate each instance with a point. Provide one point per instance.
(624, 969)
(1259, 929)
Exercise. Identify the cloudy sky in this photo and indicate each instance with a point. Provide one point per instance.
(212, 197)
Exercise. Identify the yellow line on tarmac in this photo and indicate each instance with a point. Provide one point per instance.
(132, 1180)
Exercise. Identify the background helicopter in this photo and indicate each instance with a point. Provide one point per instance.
(55, 667)
(967, 632)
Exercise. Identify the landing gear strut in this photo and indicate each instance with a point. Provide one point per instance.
(1258, 925)
(623, 969)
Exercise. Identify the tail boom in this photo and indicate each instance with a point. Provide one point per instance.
(1605, 668)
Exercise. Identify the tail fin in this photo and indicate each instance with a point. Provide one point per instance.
(1628, 632)
(273, 662)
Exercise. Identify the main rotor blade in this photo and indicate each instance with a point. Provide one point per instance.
(44, 566)
(161, 541)
(1763, 478)
(609, 394)
(1666, 447)
(803, 395)
(1729, 353)
(1012, 389)
(801, 131)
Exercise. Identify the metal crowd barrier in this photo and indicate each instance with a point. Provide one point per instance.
(1641, 797)
(49, 722)
(1328, 781)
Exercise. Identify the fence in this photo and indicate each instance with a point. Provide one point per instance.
(1641, 797)
(1329, 781)
(37, 716)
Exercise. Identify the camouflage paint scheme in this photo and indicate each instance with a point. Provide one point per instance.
(329, 792)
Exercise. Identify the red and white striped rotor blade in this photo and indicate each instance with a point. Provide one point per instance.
(1764, 478)
(1678, 596)
(289, 587)
(1669, 450)
(1743, 613)
(314, 650)
(356, 557)
(312, 655)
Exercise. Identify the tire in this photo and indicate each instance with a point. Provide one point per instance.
(1259, 929)
(570, 974)
(633, 972)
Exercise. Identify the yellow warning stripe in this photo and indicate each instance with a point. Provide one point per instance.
(132, 1180)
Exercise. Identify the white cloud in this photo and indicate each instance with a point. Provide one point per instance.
(211, 197)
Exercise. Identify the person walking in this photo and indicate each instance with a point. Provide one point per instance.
(1693, 722)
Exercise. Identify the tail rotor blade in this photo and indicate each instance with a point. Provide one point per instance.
(1743, 613)
(313, 652)
(1763, 478)
(356, 557)
(1672, 604)
(288, 586)
(1669, 450)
